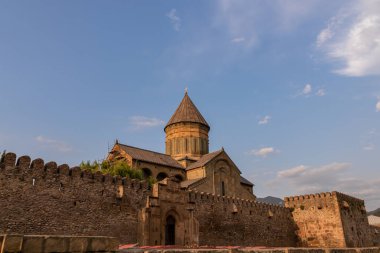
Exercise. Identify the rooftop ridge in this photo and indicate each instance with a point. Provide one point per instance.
(200, 162)
(144, 149)
(151, 156)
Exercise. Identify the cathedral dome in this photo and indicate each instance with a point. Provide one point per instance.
(187, 112)
(187, 133)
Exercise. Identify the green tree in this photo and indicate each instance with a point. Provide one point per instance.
(116, 168)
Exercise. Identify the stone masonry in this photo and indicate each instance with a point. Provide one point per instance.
(39, 198)
(330, 220)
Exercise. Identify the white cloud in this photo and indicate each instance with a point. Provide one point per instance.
(245, 18)
(353, 39)
(140, 122)
(324, 36)
(309, 173)
(55, 144)
(307, 89)
(369, 147)
(263, 152)
(320, 93)
(330, 177)
(174, 19)
(293, 172)
(378, 106)
(238, 40)
(265, 120)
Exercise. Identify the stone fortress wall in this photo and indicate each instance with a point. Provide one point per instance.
(242, 222)
(39, 198)
(330, 220)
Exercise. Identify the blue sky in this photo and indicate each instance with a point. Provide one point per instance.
(291, 89)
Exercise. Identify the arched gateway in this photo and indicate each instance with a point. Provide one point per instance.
(170, 230)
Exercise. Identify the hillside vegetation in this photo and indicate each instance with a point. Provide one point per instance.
(375, 212)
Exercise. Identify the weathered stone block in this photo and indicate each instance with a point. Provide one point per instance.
(12, 243)
(103, 244)
(78, 244)
(305, 250)
(56, 244)
(342, 250)
(32, 244)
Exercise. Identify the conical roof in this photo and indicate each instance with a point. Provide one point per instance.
(187, 112)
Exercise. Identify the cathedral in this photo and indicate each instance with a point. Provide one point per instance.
(200, 199)
(187, 157)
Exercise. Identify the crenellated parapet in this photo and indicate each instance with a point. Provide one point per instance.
(37, 168)
(38, 197)
(238, 206)
(330, 219)
(317, 200)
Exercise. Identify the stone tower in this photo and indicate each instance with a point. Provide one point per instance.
(187, 133)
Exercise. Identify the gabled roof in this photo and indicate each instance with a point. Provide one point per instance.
(187, 112)
(150, 156)
(204, 160)
(245, 181)
(187, 183)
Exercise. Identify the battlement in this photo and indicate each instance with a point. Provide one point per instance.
(10, 165)
(238, 206)
(310, 196)
(323, 195)
(324, 199)
(41, 197)
(195, 196)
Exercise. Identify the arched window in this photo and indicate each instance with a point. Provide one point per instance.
(223, 190)
(146, 172)
(161, 176)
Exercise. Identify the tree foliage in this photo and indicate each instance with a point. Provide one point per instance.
(115, 168)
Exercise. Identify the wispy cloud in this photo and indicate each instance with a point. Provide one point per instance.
(61, 146)
(369, 147)
(244, 19)
(370, 140)
(304, 179)
(308, 91)
(305, 173)
(293, 172)
(320, 93)
(263, 152)
(141, 122)
(238, 40)
(265, 120)
(378, 106)
(174, 19)
(352, 38)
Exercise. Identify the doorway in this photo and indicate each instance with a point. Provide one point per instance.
(170, 230)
